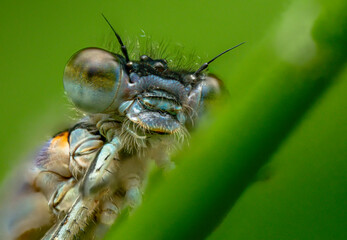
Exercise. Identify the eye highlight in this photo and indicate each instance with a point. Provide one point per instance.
(92, 78)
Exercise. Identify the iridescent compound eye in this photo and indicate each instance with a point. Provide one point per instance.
(92, 80)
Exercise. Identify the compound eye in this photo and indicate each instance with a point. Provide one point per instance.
(91, 79)
(211, 87)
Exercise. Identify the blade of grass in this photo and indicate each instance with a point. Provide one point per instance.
(303, 194)
(224, 158)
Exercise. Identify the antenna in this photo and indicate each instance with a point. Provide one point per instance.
(205, 65)
(122, 46)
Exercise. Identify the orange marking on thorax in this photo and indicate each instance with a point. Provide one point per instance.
(61, 140)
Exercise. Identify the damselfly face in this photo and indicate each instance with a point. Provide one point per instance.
(146, 92)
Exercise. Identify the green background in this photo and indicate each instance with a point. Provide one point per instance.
(268, 163)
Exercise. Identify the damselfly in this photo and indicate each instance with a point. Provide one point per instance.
(135, 110)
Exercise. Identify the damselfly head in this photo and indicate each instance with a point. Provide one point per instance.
(145, 90)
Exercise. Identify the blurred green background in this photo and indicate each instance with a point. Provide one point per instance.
(270, 163)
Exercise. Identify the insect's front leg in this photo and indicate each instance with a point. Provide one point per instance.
(95, 186)
(61, 200)
(53, 186)
(60, 165)
(102, 172)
